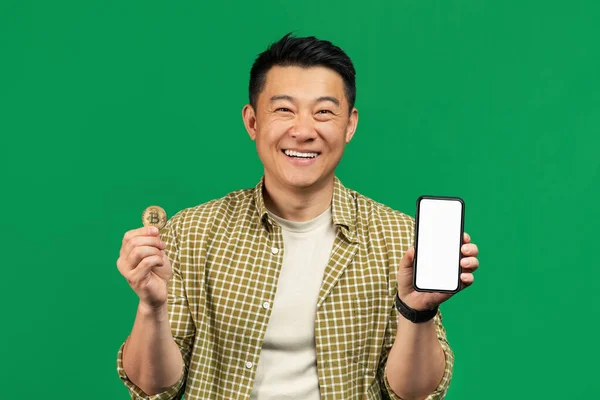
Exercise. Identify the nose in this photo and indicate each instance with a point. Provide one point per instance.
(303, 128)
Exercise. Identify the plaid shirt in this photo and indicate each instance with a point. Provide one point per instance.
(226, 256)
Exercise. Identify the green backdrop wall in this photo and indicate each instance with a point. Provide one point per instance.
(107, 107)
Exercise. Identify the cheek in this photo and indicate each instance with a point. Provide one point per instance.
(261, 146)
(265, 143)
(273, 130)
(334, 134)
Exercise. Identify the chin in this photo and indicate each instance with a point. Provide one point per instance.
(302, 182)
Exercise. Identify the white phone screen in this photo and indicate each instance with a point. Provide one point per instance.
(439, 237)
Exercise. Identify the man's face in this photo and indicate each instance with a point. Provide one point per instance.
(301, 125)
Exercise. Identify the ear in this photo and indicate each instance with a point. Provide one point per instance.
(352, 124)
(249, 117)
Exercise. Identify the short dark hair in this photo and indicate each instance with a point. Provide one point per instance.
(302, 52)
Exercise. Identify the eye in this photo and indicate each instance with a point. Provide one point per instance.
(324, 112)
(282, 109)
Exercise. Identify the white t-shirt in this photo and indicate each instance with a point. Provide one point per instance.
(287, 368)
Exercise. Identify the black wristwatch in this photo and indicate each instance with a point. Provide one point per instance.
(413, 315)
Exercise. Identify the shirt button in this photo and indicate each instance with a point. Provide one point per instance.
(275, 250)
(249, 364)
(266, 305)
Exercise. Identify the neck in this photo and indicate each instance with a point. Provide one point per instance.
(298, 204)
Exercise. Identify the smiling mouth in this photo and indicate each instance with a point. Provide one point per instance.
(300, 155)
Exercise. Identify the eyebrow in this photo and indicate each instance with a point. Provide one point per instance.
(320, 99)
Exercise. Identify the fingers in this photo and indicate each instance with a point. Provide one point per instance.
(144, 231)
(469, 263)
(141, 271)
(470, 249)
(138, 253)
(466, 237)
(139, 244)
(138, 241)
(467, 279)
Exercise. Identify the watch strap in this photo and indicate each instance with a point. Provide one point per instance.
(413, 315)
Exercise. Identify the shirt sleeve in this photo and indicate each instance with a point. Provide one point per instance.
(180, 318)
(442, 388)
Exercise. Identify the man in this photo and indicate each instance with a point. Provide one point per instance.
(286, 291)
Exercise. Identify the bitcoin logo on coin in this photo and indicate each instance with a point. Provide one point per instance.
(154, 216)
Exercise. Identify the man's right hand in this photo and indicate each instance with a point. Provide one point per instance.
(145, 265)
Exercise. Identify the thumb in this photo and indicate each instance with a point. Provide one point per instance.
(408, 258)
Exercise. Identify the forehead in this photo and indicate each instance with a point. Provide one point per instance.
(304, 82)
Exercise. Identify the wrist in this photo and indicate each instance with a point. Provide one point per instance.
(405, 324)
(414, 315)
(414, 300)
(158, 313)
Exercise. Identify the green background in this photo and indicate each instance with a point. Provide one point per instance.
(107, 107)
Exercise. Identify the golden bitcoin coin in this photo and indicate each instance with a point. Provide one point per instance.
(154, 216)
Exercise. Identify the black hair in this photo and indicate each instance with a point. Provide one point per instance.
(302, 52)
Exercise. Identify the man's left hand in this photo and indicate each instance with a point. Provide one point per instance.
(428, 300)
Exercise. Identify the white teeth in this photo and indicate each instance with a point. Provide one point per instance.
(293, 153)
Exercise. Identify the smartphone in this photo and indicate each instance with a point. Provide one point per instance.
(438, 240)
